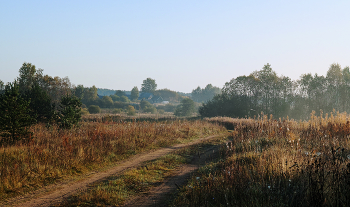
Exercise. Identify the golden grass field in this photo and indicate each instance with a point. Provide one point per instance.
(277, 163)
(53, 154)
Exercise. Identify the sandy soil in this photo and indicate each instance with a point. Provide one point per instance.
(54, 194)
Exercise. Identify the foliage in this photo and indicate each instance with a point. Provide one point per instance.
(15, 119)
(131, 111)
(120, 93)
(124, 99)
(70, 112)
(264, 91)
(167, 95)
(148, 86)
(205, 94)
(40, 104)
(117, 111)
(115, 97)
(107, 102)
(186, 108)
(93, 109)
(147, 107)
(134, 93)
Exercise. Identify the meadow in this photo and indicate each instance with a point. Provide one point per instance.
(53, 154)
(277, 163)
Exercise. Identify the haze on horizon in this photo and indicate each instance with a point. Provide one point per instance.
(181, 44)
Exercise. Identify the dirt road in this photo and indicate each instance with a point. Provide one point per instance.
(55, 194)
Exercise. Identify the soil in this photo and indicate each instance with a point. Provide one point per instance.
(158, 196)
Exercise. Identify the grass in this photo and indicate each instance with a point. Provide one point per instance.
(277, 163)
(116, 190)
(55, 154)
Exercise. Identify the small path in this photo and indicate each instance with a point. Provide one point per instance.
(161, 195)
(55, 194)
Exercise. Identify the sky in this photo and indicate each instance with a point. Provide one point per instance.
(182, 44)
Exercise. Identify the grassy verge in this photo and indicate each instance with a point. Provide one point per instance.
(55, 154)
(277, 163)
(116, 190)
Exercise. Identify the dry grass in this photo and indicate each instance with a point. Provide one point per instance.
(117, 189)
(277, 163)
(54, 154)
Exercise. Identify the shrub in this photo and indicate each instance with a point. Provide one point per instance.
(131, 110)
(117, 111)
(93, 109)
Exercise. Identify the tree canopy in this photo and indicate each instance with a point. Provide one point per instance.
(265, 91)
(149, 85)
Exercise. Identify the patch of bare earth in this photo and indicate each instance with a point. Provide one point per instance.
(55, 194)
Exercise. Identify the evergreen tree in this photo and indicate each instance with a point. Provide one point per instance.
(14, 117)
(69, 114)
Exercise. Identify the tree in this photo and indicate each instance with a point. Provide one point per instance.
(205, 94)
(167, 95)
(79, 91)
(134, 93)
(120, 93)
(26, 77)
(107, 102)
(40, 104)
(69, 114)
(115, 97)
(186, 108)
(14, 117)
(148, 86)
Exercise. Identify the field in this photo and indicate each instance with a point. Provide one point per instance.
(277, 163)
(53, 154)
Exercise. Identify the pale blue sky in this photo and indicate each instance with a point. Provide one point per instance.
(181, 44)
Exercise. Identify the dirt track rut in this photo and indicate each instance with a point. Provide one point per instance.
(54, 194)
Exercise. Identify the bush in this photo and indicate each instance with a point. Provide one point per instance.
(93, 109)
(131, 110)
(117, 111)
(150, 109)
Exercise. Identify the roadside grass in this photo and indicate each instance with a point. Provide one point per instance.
(277, 163)
(115, 190)
(55, 154)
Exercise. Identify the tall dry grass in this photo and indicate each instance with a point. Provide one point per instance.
(277, 163)
(55, 154)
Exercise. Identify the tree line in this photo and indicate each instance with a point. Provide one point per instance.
(36, 98)
(265, 92)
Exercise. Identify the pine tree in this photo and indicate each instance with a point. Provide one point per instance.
(14, 117)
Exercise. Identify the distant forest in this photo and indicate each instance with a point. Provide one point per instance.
(265, 92)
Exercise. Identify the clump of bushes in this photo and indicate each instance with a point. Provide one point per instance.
(94, 109)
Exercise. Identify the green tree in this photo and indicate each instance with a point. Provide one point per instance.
(79, 91)
(26, 77)
(40, 104)
(134, 93)
(107, 102)
(148, 86)
(124, 99)
(120, 93)
(70, 112)
(93, 109)
(14, 117)
(186, 108)
(115, 97)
